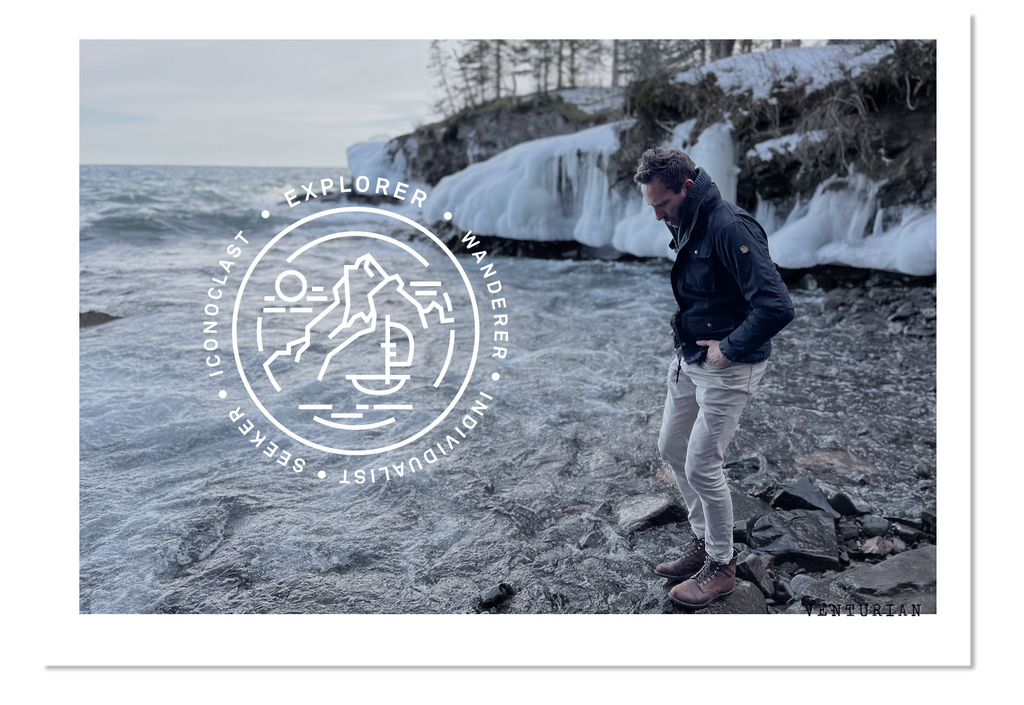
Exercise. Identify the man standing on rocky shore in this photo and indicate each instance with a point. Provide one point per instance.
(732, 301)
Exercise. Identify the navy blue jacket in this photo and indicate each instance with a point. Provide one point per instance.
(724, 280)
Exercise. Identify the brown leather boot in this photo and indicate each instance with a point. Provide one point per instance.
(714, 580)
(687, 565)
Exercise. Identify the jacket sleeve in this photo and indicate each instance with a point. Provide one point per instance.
(742, 249)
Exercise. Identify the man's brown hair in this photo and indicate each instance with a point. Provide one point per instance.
(670, 166)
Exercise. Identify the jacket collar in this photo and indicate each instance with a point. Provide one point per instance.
(703, 193)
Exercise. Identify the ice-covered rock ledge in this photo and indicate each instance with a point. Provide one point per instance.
(843, 224)
(557, 189)
(551, 189)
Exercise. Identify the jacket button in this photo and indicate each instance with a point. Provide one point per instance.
(709, 325)
(695, 252)
(684, 345)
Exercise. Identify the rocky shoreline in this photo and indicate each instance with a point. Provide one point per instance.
(832, 472)
(871, 540)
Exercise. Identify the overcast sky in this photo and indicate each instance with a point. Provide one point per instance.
(247, 102)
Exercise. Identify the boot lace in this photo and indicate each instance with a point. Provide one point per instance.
(709, 571)
(693, 547)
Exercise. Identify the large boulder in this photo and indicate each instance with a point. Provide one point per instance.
(906, 581)
(802, 536)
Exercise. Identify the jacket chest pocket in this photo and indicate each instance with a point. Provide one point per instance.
(709, 327)
(699, 273)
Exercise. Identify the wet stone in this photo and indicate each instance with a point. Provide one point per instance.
(848, 529)
(874, 526)
(495, 595)
(753, 571)
(802, 494)
(878, 546)
(740, 531)
(783, 592)
(745, 507)
(908, 533)
(800, 582)
(804, 537)
(846, 506)
(745, 599)
(95, 318)
(904, 580)
(906, 512)
(928, 522)
(645, 512)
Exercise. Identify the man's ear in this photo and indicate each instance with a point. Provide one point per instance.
(687, 185)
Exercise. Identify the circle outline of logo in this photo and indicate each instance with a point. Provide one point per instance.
(303, 221)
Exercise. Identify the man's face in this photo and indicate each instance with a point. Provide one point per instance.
(667, 206)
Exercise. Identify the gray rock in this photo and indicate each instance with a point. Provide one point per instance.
(745, 507)
(745, 599)
(874, 526)
(920, 332)
(591, 540)
(809, 282)
(802, 494)
(789, 569)
(752, 569)
(928, 522)
(740, 531)
(906, 580)
(800, 582)
(783, 591)
(904, 310)
(848, 529)
(834, 299)
(804, 537)
(495, 595)
(749, 464)
(907, 533)
(847, 506)
(906, 512)
(95, 318)
(645, 512)
(877, 546)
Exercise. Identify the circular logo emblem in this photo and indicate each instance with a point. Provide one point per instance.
(351, 340)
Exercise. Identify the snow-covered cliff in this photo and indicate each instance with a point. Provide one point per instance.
(873, 211)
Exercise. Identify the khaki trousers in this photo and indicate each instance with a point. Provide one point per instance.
(702, 410)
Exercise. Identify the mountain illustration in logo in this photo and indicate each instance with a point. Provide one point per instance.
(355, 314)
